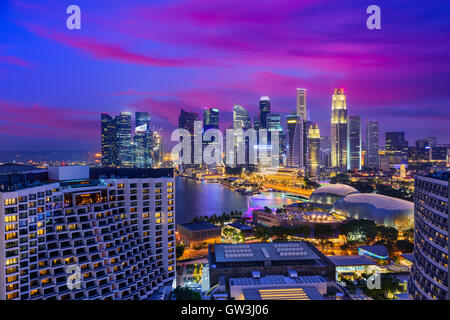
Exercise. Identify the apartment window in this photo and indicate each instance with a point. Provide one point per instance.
(9, 202)
(10, 218)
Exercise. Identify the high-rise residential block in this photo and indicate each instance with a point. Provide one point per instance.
(429, 277)
(80, 233)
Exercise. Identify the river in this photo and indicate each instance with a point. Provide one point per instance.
(198, 199)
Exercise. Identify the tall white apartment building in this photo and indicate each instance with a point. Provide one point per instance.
(80, 233)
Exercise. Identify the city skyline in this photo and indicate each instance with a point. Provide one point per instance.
(127, 67)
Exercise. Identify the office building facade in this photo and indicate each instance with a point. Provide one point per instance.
(339, 130)
(396, 148)
(142, 141)
(301, 103)
(314, 150)
(264, 111)
(295, 155)
(354, 143)
(372, 145)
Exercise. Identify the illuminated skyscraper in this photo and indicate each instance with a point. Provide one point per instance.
(186, 121)
(314, 150)
(296, 141)
(142, 141)
(354, 143)
(264, 111)
(241, 119)
(157, 152)
(124, 147)
(396, 148)
(301, 103)
(210, 118)
(372, 144)
(339, 130)
(108, 136)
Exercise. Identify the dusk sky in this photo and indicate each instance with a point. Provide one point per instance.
(161, 56)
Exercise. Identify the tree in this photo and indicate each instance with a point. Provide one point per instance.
(262, 233)
(387, 234)
(404, 246)
(340, 178)
(186, 293)
(361, 230)
(409, 234)
(323, 232)
(179, 250)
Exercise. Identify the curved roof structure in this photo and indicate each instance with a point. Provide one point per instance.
(336, 189)
(389, 211)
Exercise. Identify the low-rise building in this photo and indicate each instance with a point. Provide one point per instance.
(240, 260)
(278, 287)
(352, 267)
(196, 233)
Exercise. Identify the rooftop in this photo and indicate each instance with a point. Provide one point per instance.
(9, 168)
(337, 189)
(240, 226)
(199, 226)
(275, 280)
(282, 293)
(264, 252)
(356, 260)
(442, 175)
(379, 201)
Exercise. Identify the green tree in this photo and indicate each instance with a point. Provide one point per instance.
(409, 234)
(387, 234)
(323, 232)
(179, 250)
(186, 294)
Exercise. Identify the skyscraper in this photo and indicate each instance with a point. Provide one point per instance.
(108, 136)
(124, 146)
(142, 141)
(325, 151)
(301, 103)
(396, 148)
(353, 143)
(157, 152)
(186, 121)
(429, 276)
(264, 111)
(295, 128)
(241, 119)
(314, 150)
(339, 130)
(256, 123)
(372, 144)
(210, 118)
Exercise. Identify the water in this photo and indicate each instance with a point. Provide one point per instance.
(198, 199)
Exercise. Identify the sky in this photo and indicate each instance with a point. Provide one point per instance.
(161, 56)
